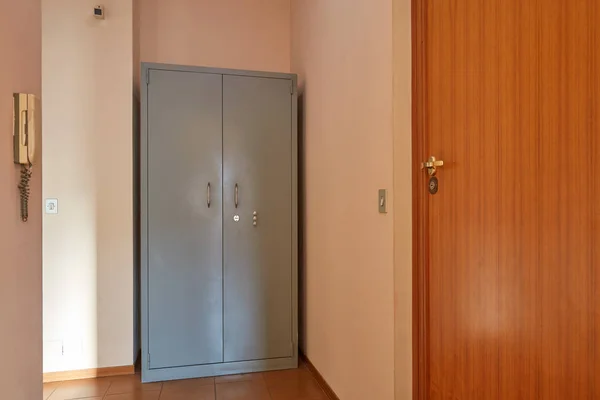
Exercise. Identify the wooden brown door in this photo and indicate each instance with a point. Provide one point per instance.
(507, 94)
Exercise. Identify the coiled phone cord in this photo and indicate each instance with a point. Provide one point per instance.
(24, 191)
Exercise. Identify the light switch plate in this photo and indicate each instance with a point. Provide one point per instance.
(51, 206)
(382, 201)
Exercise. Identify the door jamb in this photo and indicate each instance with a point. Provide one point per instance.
(420, 205)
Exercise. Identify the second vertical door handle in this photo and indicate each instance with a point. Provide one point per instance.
(208, 195)
(236, 196)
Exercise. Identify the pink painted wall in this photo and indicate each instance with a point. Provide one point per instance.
(342, 51)
(243, 34)
(20, 243)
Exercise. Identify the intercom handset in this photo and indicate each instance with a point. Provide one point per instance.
(26, 124)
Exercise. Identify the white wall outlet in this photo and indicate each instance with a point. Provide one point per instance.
(51, 206)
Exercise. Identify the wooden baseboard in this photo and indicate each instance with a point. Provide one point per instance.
(88, 373)
(322, 382)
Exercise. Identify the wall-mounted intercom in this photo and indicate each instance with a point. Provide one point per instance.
(26, 125)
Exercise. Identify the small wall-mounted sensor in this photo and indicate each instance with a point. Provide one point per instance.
(99, 12)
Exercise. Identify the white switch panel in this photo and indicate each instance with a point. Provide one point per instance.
(51, 206)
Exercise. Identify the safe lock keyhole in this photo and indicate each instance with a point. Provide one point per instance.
(433, 185)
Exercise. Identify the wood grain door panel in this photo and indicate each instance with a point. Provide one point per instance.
(567, 287)
(506, 94)
(462, 297)
(518, 234)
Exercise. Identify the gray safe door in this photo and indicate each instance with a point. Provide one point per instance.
(257, 153)
(185, 281)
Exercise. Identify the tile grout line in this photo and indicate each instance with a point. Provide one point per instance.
(55, 389)
(262, 376)
(51, 393)
(162, 385)
(107, 390)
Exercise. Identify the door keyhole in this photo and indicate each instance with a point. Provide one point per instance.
(433, 185)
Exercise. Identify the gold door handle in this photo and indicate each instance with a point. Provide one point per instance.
(432, 164)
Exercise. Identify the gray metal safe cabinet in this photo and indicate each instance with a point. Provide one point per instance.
(218, 153)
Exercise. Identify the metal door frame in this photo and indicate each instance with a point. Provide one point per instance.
(183, 372)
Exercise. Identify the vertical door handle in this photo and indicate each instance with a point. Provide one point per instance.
(208, 195)
(235, 197)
